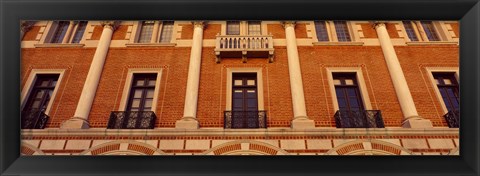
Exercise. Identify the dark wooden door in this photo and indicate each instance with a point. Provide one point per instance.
(244, 101)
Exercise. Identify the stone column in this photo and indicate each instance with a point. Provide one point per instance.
(80, 119)
(300, 119)
(189, 120)
(411, 117)
(71, 25)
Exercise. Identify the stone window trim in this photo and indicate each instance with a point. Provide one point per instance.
(431, 71)
(332, 34)
(244, 28)
(230, 72)
(128, 84)
(45, 40)
(27, 88)
(156, 34)
(362, 86)
(440, 29)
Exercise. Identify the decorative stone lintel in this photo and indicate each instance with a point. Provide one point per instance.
(288, 23)
(201, 24)
(187, 123)
(111, 24)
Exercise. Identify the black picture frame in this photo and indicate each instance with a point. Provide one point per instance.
(467, 11)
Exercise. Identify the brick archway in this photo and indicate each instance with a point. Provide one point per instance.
(27, 149)
(368, 147)
(123, 148)
(245, 147)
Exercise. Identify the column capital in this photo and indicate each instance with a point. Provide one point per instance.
(26, 25)
(110, 24)
(286, 24)
(376, 24)
(199, 24)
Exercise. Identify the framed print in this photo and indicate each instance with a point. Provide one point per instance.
(206, 87)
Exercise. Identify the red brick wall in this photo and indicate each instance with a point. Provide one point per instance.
(276, 30)
(414, 60)
(119, 33)
(392, 30)
(187, 31)
(368, 30)
(97, 32)
(211, 31)
(31, 34)
(171, 97)
(300, 30)
(75, 61)
(455, 28)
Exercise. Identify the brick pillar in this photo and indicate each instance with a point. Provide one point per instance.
(189, 120)
(410, 115)
(80, 119)
(300, 119)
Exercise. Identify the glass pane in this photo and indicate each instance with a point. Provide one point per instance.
(36, 104)
(148, 104)
(151, 82)
(251, 82)
(167, 31)
(40, 94)
(354, 102)
(341, 28)
(146, 32)
(136, 103)
(447, 81)
(60, 31)
(238, 103)
(339, 93)
(251, 103)
(430, 31)
(54, 83)
(321, 29)
(140, 82)
(337, 82)
(138, 94)
(349, 82)
(341, 102)
(352, 92)
(150, 93)
(251, 94)
(451, 94)
(233, 28)
(238, 82)
(410, 31)
(254, 28)
(44, 83)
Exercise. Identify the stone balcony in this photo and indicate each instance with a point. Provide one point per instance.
(244, 46)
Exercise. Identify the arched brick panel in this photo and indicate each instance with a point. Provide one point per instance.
(245, 147)
(368, 147)
(123, 148)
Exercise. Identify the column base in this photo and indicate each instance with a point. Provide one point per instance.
(416, 122)
(75, 123)
(187, 123)
(302, 123)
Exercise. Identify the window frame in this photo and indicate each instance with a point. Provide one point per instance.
(260, 93)
(29, 84)
(128, 86)
(431, 71)
(360, 81)
(332, 33)
(156, 33)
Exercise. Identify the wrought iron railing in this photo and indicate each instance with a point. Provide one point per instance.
(359, 119)
(453, 118)
(132, 120)
(34, 119)
(245, 119)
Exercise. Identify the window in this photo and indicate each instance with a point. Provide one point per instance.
(410, 30)
(430, 31)
(167, 31)
(333, 31)
(448, 88)
(146, 30)
(142, 91)
(321, 29)
(348, 94)
(79, 32)
(233, 27)
(342, 31)
(33, 113)
(60, 31)
(254, 28)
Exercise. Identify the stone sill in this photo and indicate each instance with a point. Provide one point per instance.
(339, 43)
(59, 45)
(432, 43)
(149, 44)
(324, 131)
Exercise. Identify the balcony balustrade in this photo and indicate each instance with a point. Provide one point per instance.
(34, 119)
(244, 47)
(453, 118)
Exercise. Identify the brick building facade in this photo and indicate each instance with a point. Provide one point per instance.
(240, 87)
